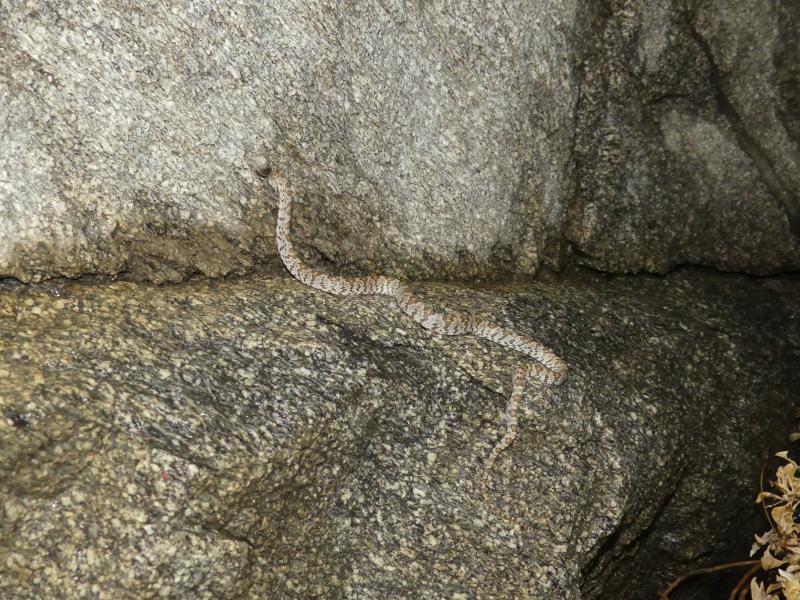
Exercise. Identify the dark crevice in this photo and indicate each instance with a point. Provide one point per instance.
(586, 260)
(778, 187)
(600, 570)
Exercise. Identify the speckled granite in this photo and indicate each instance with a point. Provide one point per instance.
(687, 136)
(434, 139)
(254, 438)
(129, 137)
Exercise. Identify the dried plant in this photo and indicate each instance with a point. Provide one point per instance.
(776, 574)
(781, 543)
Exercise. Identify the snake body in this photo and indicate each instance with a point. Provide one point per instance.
(547, 368)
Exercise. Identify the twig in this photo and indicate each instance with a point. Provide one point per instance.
(741, 563)
(740, 589)
(743, 593)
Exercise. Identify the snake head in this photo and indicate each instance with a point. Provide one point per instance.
(264, 169)
(272, 173)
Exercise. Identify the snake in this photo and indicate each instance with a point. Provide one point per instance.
(545, 367)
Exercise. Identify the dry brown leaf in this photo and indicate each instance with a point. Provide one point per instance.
(768, 561)
(757, 591)
(789, 587)
(781, 544)
(782, 516)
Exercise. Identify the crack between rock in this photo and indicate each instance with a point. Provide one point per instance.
(777, 186)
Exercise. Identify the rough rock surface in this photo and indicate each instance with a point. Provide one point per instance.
(254, 438)
(687, 136)
(433, 139)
